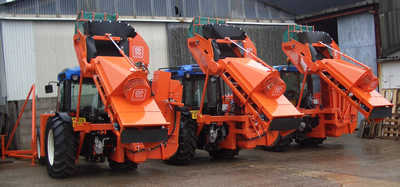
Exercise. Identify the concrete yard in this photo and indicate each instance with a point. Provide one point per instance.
(343, 161)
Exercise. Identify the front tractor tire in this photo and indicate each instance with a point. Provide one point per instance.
(60, 146)
(187, 142)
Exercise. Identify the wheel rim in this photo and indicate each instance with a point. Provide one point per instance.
(50, 147)
(38, 146)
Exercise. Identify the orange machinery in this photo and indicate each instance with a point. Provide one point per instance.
(341, 87)
(107, 109)
(261, 114)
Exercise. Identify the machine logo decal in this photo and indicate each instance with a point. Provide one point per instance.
(277, 90)
(137, 52)
(138, 94)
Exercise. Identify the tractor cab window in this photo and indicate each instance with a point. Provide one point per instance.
(90, 100)
(63, 102)
(194, 90)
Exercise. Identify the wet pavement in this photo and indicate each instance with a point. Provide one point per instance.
(343, 161)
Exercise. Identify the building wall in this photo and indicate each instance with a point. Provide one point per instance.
(36, 51)
(19, 57)
(390, 75)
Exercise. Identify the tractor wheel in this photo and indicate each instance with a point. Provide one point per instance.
(312, 142)
(187, 142)
(122, 167)
(224, 153)
(281, 143)
(60, 148)
(42, 160)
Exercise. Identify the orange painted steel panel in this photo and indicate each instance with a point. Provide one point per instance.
(280, 107)
(146, 114)
(139, 51)
(112, 71)
(349, 72)
(251, 73)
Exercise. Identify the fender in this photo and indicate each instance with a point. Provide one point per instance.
(65, 117)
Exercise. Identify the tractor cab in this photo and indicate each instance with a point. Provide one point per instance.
(193, 79)
(294, 84)
(91, 108)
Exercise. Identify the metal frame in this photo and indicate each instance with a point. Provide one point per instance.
(30, 153)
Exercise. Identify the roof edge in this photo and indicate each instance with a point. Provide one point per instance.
(336, 9)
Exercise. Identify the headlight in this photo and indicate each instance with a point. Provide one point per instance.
(369, 82)
(274, 87)
(75, 77)
(136, 90)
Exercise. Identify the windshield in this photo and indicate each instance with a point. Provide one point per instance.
(294, 83)
(90, 100)
(194, 91)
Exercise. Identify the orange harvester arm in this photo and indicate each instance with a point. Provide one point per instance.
(316, 53)
(116, 57)
(228, 52)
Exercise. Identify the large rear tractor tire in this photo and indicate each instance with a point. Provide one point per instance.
(187, 142)
(312, 142)
(281, 144)
(60, 148)
(224, 153)
(122, 167)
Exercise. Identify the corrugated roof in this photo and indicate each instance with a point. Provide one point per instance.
(244, 10)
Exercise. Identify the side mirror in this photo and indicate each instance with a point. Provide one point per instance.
(48, 88)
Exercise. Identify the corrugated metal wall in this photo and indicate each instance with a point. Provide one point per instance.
(19, 57)
(389, 18)
(267, 39)
(359, 45)
(3, 85)
(54, 51)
